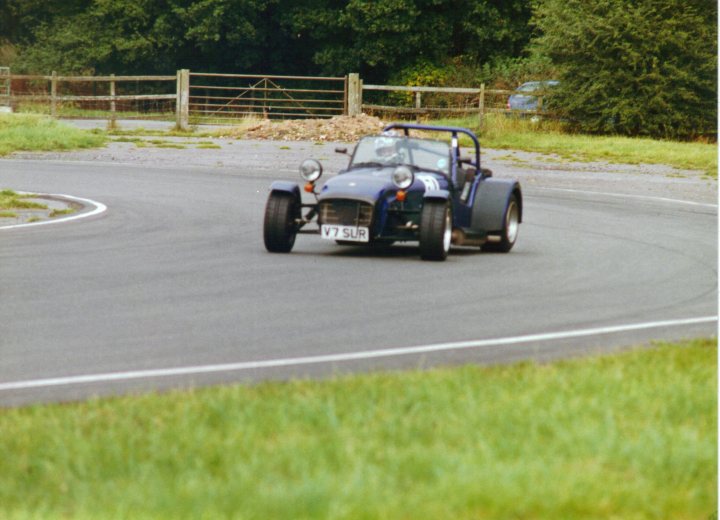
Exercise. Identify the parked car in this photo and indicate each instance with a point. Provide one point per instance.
(526, 100)
(400, 188)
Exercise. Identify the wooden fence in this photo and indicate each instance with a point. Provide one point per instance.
(192, 98)
(440, 101)
(94, 96)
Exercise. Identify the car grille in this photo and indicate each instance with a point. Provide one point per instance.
(346, 213)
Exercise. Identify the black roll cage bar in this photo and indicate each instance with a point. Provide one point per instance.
(454, 130)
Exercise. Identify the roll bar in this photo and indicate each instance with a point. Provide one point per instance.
(454, 130)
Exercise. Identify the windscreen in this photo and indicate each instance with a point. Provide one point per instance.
(383, 150)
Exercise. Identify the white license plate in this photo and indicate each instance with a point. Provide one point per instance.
(346, 233)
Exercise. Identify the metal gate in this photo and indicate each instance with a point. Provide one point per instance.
(226, 98)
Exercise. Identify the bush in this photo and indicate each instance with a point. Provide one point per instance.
(8, 53)
(639, 68)
(455, 72)
(508, 74)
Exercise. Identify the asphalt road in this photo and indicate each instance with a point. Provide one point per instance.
(171, 286)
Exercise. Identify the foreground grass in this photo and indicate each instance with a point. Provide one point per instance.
(27, 132)
(626, 436)
(547, 137)
(12, 200)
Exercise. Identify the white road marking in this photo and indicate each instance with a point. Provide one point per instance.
(630, 196)
(348, 356)
(99, 208)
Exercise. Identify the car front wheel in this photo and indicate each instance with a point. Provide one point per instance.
(435, 230)
(280, 228)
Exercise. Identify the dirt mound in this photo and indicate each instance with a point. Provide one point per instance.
(338, 128)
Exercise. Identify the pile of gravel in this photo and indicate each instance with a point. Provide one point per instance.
(338, 128)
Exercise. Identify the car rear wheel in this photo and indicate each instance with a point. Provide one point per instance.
(280, 228)
(511, 226)
(435, 230)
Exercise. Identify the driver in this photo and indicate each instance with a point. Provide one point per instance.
(386, 150)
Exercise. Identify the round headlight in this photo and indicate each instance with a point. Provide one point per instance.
(403, 177)
(310, 170)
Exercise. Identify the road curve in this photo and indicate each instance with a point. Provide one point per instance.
(171, 286)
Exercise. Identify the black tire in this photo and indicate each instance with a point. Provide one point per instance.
(435, 230)
(511, 225)
(280, 229)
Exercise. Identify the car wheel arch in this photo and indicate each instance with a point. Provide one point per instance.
(490, 203)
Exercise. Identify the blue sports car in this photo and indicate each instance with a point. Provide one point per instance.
(400, 188)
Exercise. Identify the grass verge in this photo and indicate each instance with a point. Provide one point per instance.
(10, 200)
(136, 132)
(69, 110)
(548, 137)
(27, 132)
(626, 436)
(35, 133)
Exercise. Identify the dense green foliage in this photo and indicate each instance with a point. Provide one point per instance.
(643, 67)
(633, 67)
(265, 36)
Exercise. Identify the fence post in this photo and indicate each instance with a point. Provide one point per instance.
(113, 118)
(418, 105)
(354, 94)
(481, 104)
(182, 103)
(5, 90)
(265, 93)
(53, 94)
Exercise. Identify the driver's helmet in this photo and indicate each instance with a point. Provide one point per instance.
(385, 148)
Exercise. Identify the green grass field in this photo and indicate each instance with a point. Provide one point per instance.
(27, 132)
(628, 436)
(549, 137)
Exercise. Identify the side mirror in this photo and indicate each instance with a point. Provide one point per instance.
(341, 150)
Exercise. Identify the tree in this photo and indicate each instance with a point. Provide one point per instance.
(302, 37)
(381, 38)
(634, 67)
(491, 29)
(18, 18)
(156, 36)
(122, 36)
(372, 38)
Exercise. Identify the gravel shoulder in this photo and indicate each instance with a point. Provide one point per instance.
(281, 159)
(275, 150)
